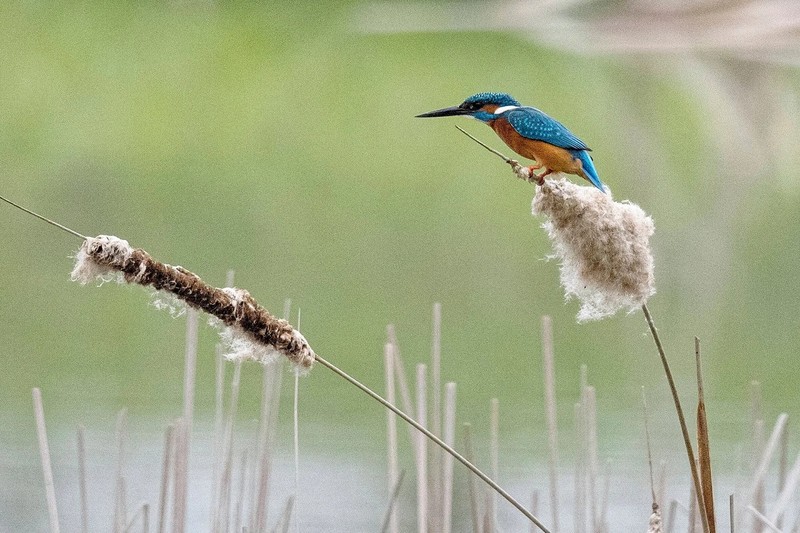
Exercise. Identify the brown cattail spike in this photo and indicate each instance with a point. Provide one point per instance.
(251, 333)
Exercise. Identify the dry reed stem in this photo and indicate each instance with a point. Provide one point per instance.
(104, 256)
(435, 473)
(271, 387)
(391, 509)
(223, 497)
(704, 445)
(422, 450)
(763, 519)
(548, 361)
(120, 511)
(681, 419)
(534, 507)
(169, 440)
(44, 454)
(185, 433)
(786, 493)
(296, 421)
(783, 464)
(649, 452)
(474, 501)
(447, 460)
(392, 524)
(82, 479)
(179, 475)
(402, 381)
(494, 455)
(237, 524)
(673, 510)
(439, 442)
(591, 455)
(757, 483)
(580, 471)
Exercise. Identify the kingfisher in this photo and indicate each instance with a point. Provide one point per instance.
(530, 133)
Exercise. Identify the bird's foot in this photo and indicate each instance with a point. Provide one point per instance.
(524, 173)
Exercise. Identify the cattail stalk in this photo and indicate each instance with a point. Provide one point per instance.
(47, 468)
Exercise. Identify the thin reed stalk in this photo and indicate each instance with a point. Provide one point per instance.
(223, 499)
(590, 417)
(270, 398)
(163, 499)
(237, 519)
(579, 516)
(120, 510)
(402, 382)
(447, 460)
(435, 473)
(296, 420)
(763, 519)
(391, 509)
(757, 482)
(422, 450)
(44, 454)
(472, 484)
(681, 419)
(786, 494)
(494, 456)
(82, 479)
(185, 433)
(392, 525)
(548, 360)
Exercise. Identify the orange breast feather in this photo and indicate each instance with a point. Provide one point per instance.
(546, 154)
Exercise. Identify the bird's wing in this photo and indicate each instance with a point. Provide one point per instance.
(534, 124)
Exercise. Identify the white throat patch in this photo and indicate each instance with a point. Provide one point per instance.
(501, 110)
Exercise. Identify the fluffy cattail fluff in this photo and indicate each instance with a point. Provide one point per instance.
(603, 247)
(655, 520)
(249, 332)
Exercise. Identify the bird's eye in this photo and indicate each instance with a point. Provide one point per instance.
(475, 105)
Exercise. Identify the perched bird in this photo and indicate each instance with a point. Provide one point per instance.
(530, 133)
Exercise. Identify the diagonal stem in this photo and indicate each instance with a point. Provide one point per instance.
(684, 429)
(449, 449)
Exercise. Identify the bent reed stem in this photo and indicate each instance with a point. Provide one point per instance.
(436, 440)
(684, 429)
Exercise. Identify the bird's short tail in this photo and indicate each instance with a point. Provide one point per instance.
(589, 171)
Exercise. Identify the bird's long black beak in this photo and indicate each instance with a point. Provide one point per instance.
(446, 112)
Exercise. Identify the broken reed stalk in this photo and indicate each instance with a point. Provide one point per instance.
(102, 256)
(47, 468)
(681, 419)
(703, 445)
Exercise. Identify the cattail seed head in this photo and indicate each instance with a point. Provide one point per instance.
(603, 247)
(248, 330)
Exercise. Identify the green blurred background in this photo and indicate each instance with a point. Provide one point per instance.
(279, 141)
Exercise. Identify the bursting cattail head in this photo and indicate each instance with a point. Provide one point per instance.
(603, 247)
(248, 330)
